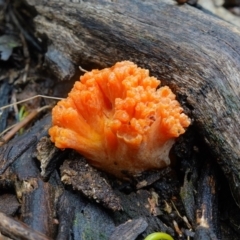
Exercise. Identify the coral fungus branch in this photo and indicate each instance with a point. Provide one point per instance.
(119, 120)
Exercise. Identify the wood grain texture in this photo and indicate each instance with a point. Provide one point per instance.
(198, 55)
(15, 229)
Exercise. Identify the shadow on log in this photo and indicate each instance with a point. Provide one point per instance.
(196, 54)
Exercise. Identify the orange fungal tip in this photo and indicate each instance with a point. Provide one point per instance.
(119, 120)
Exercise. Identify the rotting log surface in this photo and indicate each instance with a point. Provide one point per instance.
(198, 55)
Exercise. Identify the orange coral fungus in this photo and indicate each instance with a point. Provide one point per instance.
(119, 120)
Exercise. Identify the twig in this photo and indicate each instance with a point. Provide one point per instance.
(82, 69)
(18, 230)
(14, 104)
(21, 124)
(184, 218)
(27, 57)
(177, 229)
(28, 99)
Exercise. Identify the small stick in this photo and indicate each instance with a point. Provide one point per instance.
(177, 229)
(21, 124)
(28, 99)
(14, 103)
(187, 222)
(27, 57)
(184, 218)
(82, 69)
(17, 230)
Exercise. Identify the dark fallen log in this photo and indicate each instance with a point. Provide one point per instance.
(5, 89)
(12, 154)
(187, 196)
(196, 54)
(207, 206)
(90, 221)
(66, 211)
(38, 210)
(8, 204)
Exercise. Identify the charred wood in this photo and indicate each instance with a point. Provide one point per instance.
(9, 204)
(129, 230)
(188, 198)
(49, 156)
(26, 166)
(19, 148)
(90, 182)
(5, 89)
(38, 210)
(148, 178)
(136, 205)
(200, 63)
(36, 196)
(79, 219)
(91, 222)
(207, 209)
(66, 206)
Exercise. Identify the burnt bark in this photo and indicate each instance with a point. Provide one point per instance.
(130, 229)
(196, 54)
(19, 169)
(207, 206)
(89, 182)
(5, 89)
